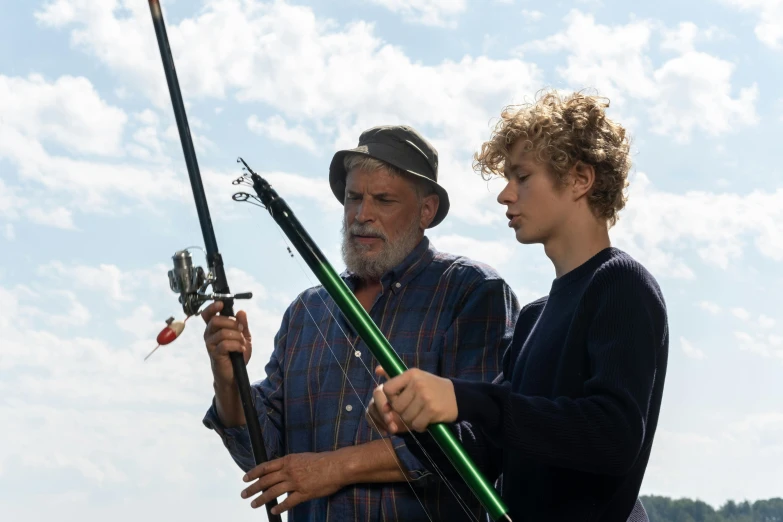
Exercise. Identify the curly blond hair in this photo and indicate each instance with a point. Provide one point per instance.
(564, 130)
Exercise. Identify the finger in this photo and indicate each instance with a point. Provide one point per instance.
(412, 412)
(380, 372)
(210, 311)
(225, 334)
(219, 322)
(422, 421)
(226, 347)
(379, 398)
(264, 483)
(292, 500)
(263, 469)
(244, 327)
(392, 422)
(272, 493)
(375, 418)
(380, 404)
(400, 402)
(395, 386)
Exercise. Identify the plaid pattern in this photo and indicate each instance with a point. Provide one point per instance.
(442, 313)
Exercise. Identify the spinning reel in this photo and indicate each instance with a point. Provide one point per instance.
(191, 283)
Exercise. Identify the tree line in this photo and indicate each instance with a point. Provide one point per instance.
(665, 509)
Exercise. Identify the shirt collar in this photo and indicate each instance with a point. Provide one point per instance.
(399, 276)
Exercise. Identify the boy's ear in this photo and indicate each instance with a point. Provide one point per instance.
(582, 178)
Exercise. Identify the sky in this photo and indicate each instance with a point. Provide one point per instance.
(95, 198)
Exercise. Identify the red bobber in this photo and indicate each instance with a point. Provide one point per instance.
(168, 334)
(171, 332)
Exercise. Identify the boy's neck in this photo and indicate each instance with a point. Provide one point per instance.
(575, 244)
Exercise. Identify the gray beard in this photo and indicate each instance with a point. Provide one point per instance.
(372, 267)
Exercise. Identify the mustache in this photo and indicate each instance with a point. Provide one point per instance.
(359, 229)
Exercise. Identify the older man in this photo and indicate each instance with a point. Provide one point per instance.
(443, 313)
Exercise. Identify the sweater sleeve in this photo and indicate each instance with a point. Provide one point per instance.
(474, 349)
(602, 431)
(483, 451)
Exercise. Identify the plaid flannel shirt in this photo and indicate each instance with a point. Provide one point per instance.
(442, 313)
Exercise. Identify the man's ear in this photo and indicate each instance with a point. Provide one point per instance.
(429, 207)
(582, 179)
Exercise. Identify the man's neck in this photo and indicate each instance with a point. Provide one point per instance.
(366, 291)
(576, 243)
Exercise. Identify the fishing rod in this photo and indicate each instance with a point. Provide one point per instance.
(266, 197)
(192, 282)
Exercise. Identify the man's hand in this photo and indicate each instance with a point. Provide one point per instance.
(420, 399)
(379, 412)
(303, 476)
(222, 336)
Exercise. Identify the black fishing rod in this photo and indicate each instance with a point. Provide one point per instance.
(191, 282)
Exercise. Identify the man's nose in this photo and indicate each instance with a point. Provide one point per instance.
(365, 212)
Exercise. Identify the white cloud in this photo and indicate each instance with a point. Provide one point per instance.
(694, 94)
(10, 202)
(346, 80)
(764, 430)
(343, 80)
(59, 217)
(684, 37)
(769, 29)
(763, 321)
(760, 344)
(740, 313)
(532, 15)
(9, 232)
(74, 312)
(68, 112)
(610, 58)
(679, 459)
(147, 143)
(493, 253)
(440, 13)
(13, 207)
(690, 350)
(711, 307)
(276, 128)
(688, 93)
(36, 115)
(133, 55)
(113, 424)
(660, 226)
(107, 279)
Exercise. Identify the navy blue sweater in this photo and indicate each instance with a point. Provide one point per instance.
(570, 422)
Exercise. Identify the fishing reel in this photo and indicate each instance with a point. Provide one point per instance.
(191, 283)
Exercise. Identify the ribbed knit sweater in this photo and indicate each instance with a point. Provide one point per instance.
(570, 422)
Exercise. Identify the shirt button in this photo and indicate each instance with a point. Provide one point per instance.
(397, 285)
(357, 353)
(348, 408)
